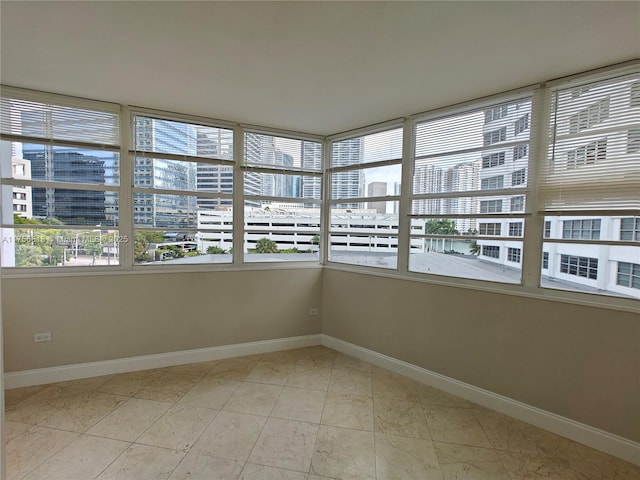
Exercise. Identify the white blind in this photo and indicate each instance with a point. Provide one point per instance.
(157, 135)
(593, 160)
(48, 121)
(271, 151)
(374, 147)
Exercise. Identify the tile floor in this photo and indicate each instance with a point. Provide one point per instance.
(304, 414)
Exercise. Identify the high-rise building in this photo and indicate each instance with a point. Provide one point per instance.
(210, 177)
(89, 207)
(348, 184)
(165, 210)
(377, 189)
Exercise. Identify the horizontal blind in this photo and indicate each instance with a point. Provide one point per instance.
(50, 122)
(481, 149)
(374, 147)
(277, 152)
(162, 136)
(593, 159)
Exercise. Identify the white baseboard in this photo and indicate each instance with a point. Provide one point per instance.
(579, 432)
(43, 376)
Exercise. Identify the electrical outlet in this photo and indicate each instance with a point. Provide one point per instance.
(314, 311)
(42, 337)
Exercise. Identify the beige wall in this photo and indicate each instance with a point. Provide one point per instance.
(579, 362)
(104, 317)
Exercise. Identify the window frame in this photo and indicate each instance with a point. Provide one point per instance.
(533, 235)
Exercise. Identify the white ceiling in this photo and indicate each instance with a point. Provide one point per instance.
(318, 67)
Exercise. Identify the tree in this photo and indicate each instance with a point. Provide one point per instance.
(441, 227)
(266, 245)
(140, 248)
(28, 256)
(474, 248)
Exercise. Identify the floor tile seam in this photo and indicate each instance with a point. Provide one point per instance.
(52, 455)
(115, 459)
(271, 466)
(264, 383)
(476, 414)
(158, 419)
(255, 442)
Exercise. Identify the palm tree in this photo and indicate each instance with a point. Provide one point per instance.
(266, 245)
(474, 248)
(441, 227)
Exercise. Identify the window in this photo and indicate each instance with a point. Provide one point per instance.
(282, 192)
(634, 99)
(587, 154)
(365, 175)
(491, 251)
(633, 140)
(630, 229)
(581, 229)
(519, 177)
(579, 266)
(495, 136)
(588, 186)
(177, 191)
(515, 229)
(493, 160)
(466, 200)
(628, 275)
(492, 183)
(64, 156)
(490, 206)
(492, 229)
(457, 178)
(520, 151)
(513, 254)
(592, 115)
(521, 124)
(517, 204)
(495, 113)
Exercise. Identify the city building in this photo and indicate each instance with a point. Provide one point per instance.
(350, 183)
(161, 209)
(22, 199)
(377, 189)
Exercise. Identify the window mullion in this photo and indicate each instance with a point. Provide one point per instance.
(238, 194)
(125, 207)
(534, 223)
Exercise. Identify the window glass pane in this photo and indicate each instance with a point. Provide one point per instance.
(280, 152)
(171, 211)
(61, 164)
(440, 255)
(166, 174)
(280, 232)
(366, 182)
(364, 236)
(174, 247)
(475, 258)
(282, 185)
(48, 121)
(30, 245)
(182, 138)
(474, 129)
(61, 206)
(369, 148)
(598, 269)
